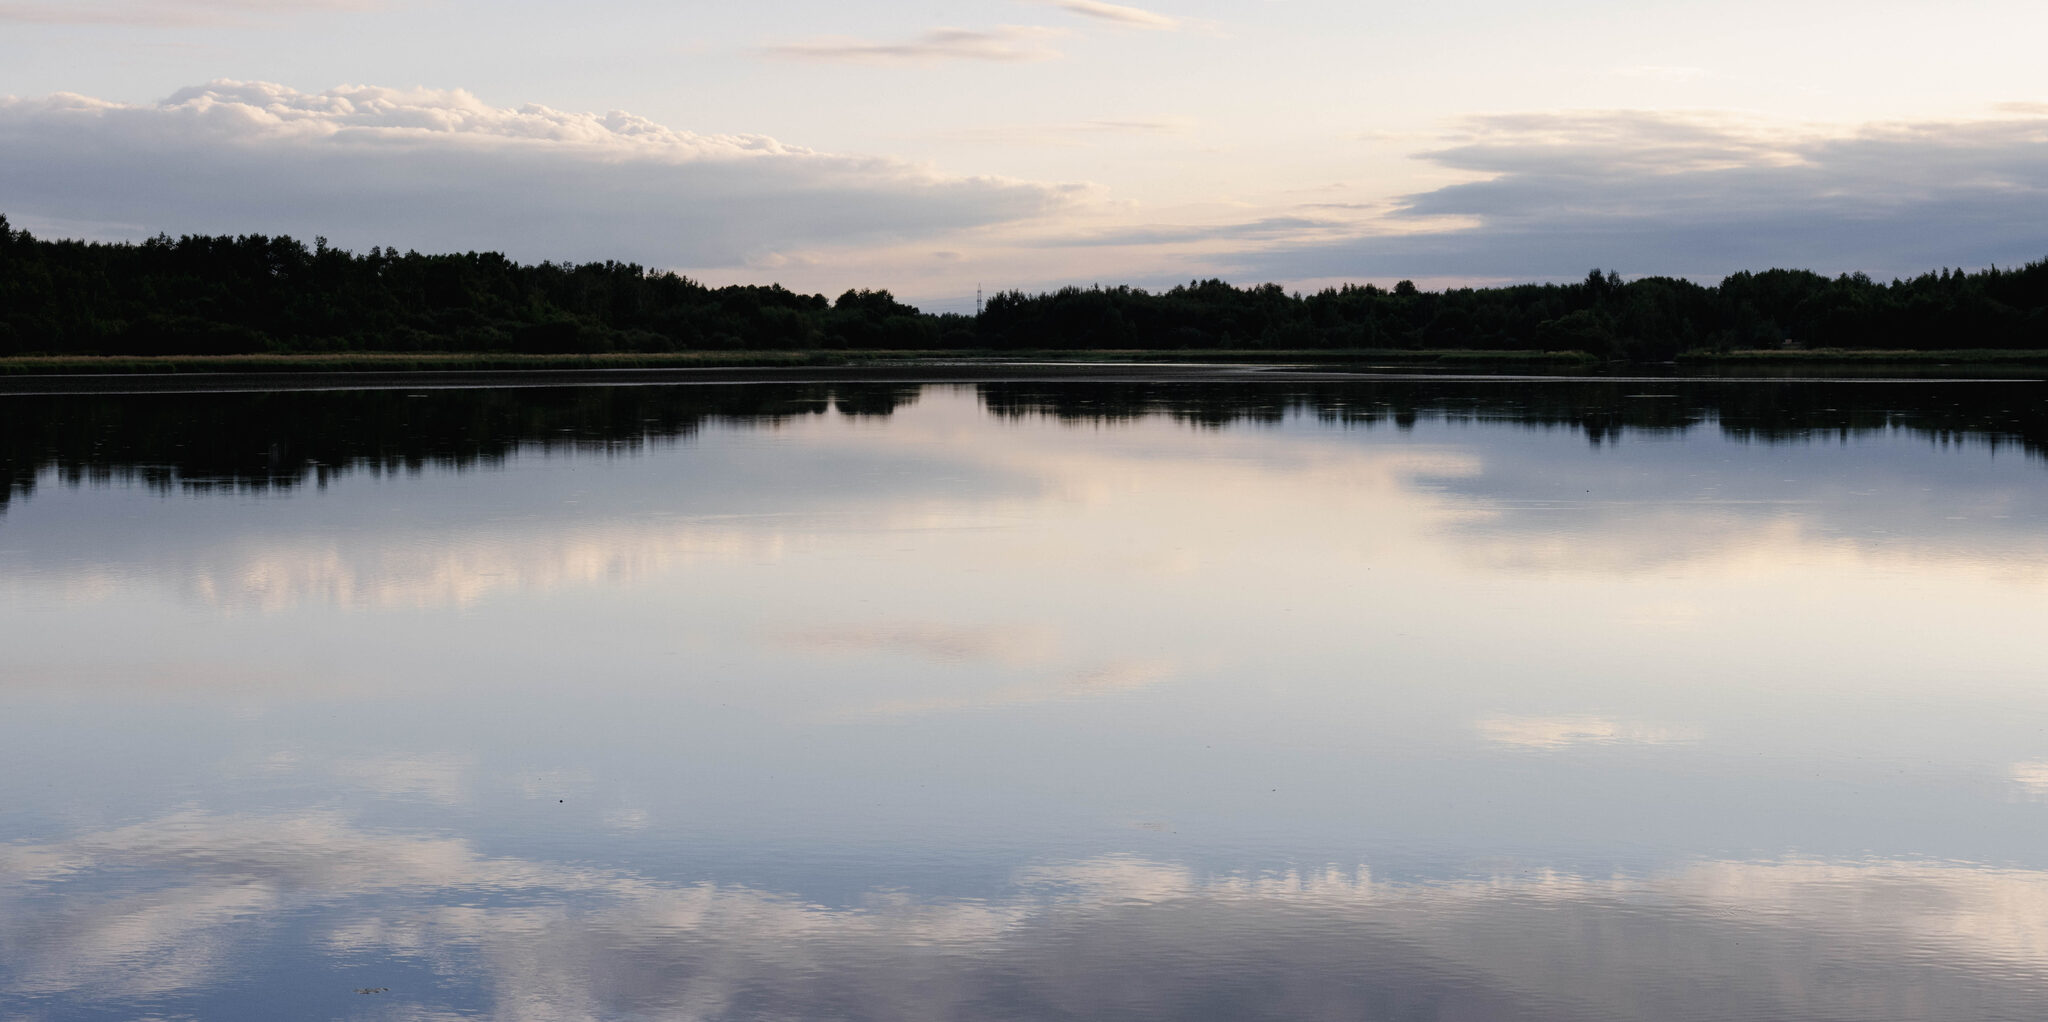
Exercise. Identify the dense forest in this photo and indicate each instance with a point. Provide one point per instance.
(255, 294)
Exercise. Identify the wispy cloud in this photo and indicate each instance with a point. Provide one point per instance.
(1131, 17)
(1616, 143)
(1291, 228)
(1004, 43)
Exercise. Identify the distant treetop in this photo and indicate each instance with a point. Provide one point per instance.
(201, 294)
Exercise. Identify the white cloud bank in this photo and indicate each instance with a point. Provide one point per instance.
(441, 170)
(1703, 195)
(1697, 194)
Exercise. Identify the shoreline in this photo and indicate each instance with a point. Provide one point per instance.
(1371, 358)
(937, 370)
(427, 362)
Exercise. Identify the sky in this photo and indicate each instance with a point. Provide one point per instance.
(933, 149)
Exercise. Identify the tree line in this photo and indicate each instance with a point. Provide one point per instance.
(251, 294)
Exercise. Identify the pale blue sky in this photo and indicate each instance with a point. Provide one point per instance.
(927, 147)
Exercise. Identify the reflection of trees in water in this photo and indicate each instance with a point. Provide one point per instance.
(1992, 413)
(283, 439)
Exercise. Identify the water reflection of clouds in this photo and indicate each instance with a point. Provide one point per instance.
(942, 465)
(988, 653)
(929, 640)
(400, 571)
(163, 909)
(2032, 777)
(1085, 683)
(441, 778)
(1633, 509)
(1500, 499)
(1565, 731)
(444, 536)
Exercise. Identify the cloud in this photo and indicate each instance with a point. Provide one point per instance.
(176, 908)
(1612, 144)
(442, 778)
(443, 566)
(1004, 43)
(934, 641)
(1703, 195)
(1132, 17)
(441, 169)
(1273, 227)
(167, 13)
(1653, 513)
(1566, 731)
(457, 569)
(1095, 682)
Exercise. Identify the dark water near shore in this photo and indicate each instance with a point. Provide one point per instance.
(1139, 700)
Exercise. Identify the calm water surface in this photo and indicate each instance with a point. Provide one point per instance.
(1144, 701)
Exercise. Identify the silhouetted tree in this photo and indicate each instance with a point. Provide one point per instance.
(200, 294)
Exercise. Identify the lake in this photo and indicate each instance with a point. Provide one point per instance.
(1145, 697)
